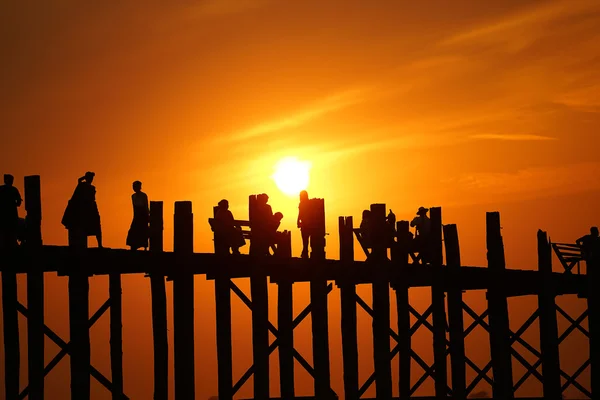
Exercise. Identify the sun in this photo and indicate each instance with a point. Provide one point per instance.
(291, 175)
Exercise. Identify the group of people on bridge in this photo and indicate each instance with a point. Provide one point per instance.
(82, 219)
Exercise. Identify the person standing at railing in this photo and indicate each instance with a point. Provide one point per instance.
(138, 234)
(10, 200)
(588, 243)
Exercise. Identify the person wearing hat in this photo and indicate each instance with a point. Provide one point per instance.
(81, 217)
(227, 235)
(422, 225)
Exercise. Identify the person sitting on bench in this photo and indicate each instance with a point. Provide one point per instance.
(227, 235)
(422, 225)
(273, 226)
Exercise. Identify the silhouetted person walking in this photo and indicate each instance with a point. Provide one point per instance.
(138, 234)
(365, 228)
(227, 235)
(81, 217)
(10, 200)
(588, 242)
(305, 222)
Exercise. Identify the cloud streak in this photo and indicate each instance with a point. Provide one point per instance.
(509, 137)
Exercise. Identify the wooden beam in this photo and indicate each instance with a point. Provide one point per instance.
(438, 305)
(35, 290)
(285, 326)
(260, 334)
(348, 306)
(319, 313)
(548, 322)
(116, 335)
(159, 308)
(223, 320)
(592, 266)
(381, 303)
(455, 318)
(10, 321)
(500, 345)
(400, 258)
(183, 305)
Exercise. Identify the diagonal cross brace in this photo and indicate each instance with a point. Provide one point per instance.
(299, 318)
(65, 348)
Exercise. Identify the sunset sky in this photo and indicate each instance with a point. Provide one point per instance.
(469, 105)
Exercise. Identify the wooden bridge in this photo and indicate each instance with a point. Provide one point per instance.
(391, 267)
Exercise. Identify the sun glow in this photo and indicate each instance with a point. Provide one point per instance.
(291, 175)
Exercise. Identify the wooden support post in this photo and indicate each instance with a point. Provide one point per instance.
(381, 303)
(10, 321)
(348, 303)
(159, 308)
(223, 318)
(183, 304)
(500, 346)
(224, 350)
(79, 322)
(592, 300)
(285, 326)
(400, 259)
(455, 317)
(319, 312)
(35, 290)
(116, 335)
(438, 305)
(548, 322)
(260, 334)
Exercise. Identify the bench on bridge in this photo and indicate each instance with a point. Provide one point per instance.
(282, 245)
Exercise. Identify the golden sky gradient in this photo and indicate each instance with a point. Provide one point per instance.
(473, 106)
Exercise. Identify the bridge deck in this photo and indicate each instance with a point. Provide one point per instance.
(64, 261)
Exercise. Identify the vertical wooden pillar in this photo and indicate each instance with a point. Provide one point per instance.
(79, 320)
(223, 319)
(35, 291)
(116, 335)
(183, 304)
(381, 303)
(285, 326)
(455, 316)
(260, 334)
(224, 350)
(348, 303)
(548, 322)
(400, 259)
(500, 346)
(592, 270)
(320, 313)
(10, 321)
(159, 307)
(438, 305)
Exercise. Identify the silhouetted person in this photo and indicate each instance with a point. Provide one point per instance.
(422, 225)
(365, 228)
(273, 226)
(391, 227)
(588, 242)
(262, 224)
(10, 200)
(81, 217)
(305, 222)
(138, 234)
(227, 235)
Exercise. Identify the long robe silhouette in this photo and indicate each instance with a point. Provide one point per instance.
(138, 234)
(81, 215)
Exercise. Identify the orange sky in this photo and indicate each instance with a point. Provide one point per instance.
(472, 106)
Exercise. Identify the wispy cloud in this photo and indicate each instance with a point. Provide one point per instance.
(318, 109)
(529, 20)
(510, 137)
